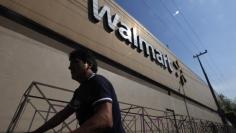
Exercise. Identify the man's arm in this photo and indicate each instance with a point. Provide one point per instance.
(55, 120)
(101, 120)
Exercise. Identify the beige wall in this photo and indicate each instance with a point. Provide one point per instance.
(70, 18)
(25, 60)
(36, 57)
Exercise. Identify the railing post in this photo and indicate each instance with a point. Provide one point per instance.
(19, 109)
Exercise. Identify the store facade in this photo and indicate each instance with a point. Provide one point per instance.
(36, 37)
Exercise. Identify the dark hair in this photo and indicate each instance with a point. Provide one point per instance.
(85, 56)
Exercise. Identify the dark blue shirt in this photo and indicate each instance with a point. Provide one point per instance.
(92, 92)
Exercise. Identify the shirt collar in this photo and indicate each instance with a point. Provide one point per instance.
(92, 75)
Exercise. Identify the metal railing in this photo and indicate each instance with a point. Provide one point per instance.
(36, 107)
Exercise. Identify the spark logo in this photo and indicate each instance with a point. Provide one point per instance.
(179, 73)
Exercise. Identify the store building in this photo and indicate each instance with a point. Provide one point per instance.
(36, 37)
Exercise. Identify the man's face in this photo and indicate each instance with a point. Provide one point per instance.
(78, 70)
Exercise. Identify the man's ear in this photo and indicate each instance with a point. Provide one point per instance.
(88, 66)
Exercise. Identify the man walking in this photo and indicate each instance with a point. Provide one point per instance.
(94, 102)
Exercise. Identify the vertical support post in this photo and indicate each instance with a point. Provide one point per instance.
(175, 122)
(219, 110)
(141, 122)
(19, 110)
(186, 106)
(167, 122)
(135, 126)
(31, 122)
(144, 129)
(48, 112)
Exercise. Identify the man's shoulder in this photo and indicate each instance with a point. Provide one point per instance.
(99, 78)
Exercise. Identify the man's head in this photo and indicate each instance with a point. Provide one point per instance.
(82, 64)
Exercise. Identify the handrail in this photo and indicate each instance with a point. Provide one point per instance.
(135, 118)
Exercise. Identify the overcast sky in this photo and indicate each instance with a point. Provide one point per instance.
(191, 26)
